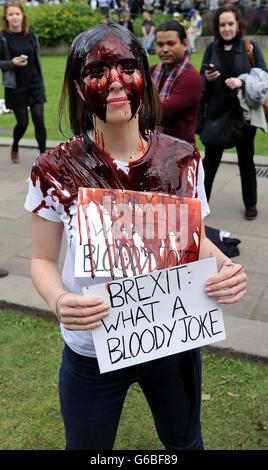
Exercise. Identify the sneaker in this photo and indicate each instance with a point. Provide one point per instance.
(3, 273)
(14, 155)
(251, 213)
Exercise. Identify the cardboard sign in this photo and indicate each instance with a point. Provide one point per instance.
(127, 233)
(155, 315)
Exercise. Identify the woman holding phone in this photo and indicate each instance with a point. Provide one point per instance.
(22, 76)
(225, 59)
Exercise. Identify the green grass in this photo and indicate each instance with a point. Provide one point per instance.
(235, 401)
(53, 68)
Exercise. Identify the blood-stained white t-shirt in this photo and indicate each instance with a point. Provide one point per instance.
(57, 175)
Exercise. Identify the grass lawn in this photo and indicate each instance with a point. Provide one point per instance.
(53, 68)
(234, 406)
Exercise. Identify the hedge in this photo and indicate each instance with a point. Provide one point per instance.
(56, 24)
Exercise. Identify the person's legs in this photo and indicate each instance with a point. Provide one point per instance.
(172, 386)
(21, 115)
(37, 112)
(191, 40)
(148, 42)
(245, 152)
(91, 403)
(211, 164)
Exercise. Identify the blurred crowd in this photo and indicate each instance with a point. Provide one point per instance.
(136, 7)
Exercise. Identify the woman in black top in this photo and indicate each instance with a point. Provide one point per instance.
(22, 76)
(228, 55)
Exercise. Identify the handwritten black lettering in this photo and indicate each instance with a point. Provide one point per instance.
(143, 342)
(170, 332)
(113, 344)
(152, 307)
(203, 326)
(177, 269)
(138, 346)
(185, 328)
(213, 321)
(191, 328)
(157, 283)
(126, 291)
(115, 295)
(139, 288)
(178, 301)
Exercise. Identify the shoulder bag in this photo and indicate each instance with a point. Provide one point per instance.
(225, 130)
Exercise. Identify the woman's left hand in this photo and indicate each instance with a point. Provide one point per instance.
(233, 83)
(228, 286)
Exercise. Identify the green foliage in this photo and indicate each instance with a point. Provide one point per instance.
(55, 24)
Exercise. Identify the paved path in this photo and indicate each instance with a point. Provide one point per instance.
(246, 323)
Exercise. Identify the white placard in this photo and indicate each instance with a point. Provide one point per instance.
(156, 314)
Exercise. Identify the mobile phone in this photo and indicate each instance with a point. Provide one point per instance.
(210, 67)
(23, 56)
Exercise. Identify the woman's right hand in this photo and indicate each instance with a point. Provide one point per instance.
(19, 61)
(77, 312)
(211, 76)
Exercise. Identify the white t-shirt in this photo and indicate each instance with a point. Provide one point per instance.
(81, 341)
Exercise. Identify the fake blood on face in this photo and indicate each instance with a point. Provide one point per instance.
(111, 60)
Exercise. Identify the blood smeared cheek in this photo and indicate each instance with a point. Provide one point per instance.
(95, 92)
(134, 89)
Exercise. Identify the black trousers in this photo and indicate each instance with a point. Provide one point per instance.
(91, 403)
(245, 153)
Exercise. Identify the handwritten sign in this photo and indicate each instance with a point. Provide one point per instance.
(124, 233)
(155, 315)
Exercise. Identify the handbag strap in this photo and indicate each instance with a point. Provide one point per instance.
(249, 48)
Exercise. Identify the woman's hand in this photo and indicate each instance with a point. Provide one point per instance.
(228, 286)
(211, 76)
(77, 312)
(233, 83)
(19, 61)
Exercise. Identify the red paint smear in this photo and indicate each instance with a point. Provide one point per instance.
(169, 166)
(172, 256)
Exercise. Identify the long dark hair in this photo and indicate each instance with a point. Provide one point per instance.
(80, 116)
(228, 9)
(4, 22)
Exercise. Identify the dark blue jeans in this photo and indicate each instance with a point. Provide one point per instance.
(91, 403)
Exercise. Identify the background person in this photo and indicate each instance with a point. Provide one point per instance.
(127, 22)
(148, 32)
(195, 29)
(124, 105)
(177, 82)
(227, 53)
(23, 81)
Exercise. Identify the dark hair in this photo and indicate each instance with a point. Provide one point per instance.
(80, 116)
(228, 9)
(173, 25)
(4, 22)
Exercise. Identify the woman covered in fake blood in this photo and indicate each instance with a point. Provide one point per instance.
(113, 111)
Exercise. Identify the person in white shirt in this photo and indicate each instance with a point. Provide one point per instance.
(113, 111)
(195, 29)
